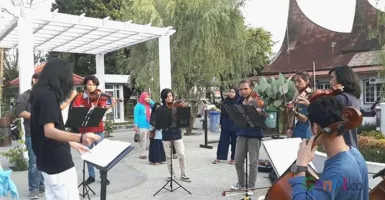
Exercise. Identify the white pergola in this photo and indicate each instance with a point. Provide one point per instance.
(28, 30)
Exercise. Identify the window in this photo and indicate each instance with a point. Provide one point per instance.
(371, 91)
(323, 85)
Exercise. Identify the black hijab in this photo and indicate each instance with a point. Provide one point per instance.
(230, 101)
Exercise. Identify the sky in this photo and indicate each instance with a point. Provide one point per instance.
(335, 15)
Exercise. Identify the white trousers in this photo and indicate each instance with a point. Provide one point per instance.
(62, 186)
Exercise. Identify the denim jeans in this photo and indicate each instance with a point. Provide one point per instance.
(91, 170)
(35, 178)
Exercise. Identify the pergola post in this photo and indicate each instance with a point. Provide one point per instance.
(100, 70)
(164, 62)
(25, 50)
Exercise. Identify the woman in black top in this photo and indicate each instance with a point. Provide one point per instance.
(228, 129)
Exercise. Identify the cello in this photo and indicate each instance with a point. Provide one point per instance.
(352, 118)
(378, 192)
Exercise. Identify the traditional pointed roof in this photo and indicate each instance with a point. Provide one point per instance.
(78, 80)
(306, 42)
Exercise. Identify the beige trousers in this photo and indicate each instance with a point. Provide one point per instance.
(179, 148)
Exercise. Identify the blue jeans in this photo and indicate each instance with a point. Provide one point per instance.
(35, 178)
(91, 170)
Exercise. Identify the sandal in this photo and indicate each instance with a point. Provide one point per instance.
(216, 161)
(143, 157)
(231, 162)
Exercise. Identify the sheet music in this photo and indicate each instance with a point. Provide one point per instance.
(105, 152)
(283, 153)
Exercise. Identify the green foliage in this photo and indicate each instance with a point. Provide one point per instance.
(372, 148)
(366, 127)
(374, 134)
(275, 91)
(16, 155)
(108, 128)
(16, 158)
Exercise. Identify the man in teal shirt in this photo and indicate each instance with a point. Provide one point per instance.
(345, 174)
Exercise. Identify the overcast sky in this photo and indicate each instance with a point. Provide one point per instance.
(336, 15)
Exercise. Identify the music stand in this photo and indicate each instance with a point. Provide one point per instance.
(176, 118)
(246, 116)
(85, 117)
(104, 157)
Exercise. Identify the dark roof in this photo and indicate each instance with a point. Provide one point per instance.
(309, 42)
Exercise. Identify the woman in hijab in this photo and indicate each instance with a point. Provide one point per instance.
(156, 151)
(228, 129)
(142, 114)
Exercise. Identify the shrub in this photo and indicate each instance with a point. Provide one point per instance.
(371, 145)
(375, 134)
(366, 127)
(372, 149)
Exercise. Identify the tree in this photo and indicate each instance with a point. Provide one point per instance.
(211, 41)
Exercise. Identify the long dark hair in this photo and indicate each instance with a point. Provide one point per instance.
(346, 77)
(57, 77)
(306, 77)
(164, 93)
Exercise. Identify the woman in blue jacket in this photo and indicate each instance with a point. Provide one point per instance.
(228, 129)
(142, 113)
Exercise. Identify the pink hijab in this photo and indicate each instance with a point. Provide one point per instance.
(146, 104)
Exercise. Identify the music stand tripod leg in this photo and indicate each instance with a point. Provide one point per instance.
(86, 188)
(171, 180)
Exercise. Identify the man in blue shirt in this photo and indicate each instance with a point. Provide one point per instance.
(345, 174)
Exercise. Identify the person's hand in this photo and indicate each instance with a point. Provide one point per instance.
(80, 148)
(89, 138)
(303, 101)
(73, 94)
(114, 101)
(136, 129)
(289, 132)
(305, 152)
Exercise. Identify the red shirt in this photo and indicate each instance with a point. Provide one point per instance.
(81, 100)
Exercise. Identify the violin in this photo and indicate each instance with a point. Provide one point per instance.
(99, 95)
(177, 104)
(333, 91)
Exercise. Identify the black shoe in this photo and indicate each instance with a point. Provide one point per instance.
(89, 180)
(107, 182)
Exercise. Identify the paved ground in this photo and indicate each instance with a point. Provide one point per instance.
(133, 178)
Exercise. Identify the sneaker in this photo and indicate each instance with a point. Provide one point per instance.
(42, 189)
(236, 186)
(250, 192)
(185, 178)
(175, 156)
(89, 180)
(34, 194)
(168, 178)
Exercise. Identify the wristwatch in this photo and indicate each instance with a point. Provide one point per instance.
(297, 169)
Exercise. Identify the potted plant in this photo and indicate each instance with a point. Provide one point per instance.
(276, 93)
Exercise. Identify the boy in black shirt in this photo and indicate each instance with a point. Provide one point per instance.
(50, 142)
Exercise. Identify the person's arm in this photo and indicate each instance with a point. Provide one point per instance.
(21, 105)
(326, 187)
(136, 117)
(68, 101)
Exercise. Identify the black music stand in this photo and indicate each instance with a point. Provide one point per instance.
(246, 116)
(85, 117)
(176, 118)
(104, 169)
